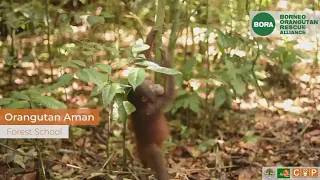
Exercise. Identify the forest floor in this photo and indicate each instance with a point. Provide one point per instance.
(283, 131)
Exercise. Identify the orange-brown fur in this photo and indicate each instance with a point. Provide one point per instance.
(148, 121)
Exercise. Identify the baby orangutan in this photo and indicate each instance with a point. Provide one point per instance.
(148, 121)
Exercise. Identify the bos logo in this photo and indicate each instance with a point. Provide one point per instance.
(269, 173)
(263, 24)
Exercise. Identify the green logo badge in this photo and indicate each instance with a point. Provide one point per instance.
(263, 24)
(283, 173)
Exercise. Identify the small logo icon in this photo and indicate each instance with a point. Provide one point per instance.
(263, 24)
(283, 173)
(305, 172)
(269, 173)
(314, 172)
(296, 172)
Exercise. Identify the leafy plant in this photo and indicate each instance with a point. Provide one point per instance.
(109, 89)
(186, 100)
(284, 55)
(32, 99)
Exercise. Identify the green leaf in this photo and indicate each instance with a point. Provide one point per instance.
(19, 105)
(35, 105)
(220, 97)
(224, 77)
(50, 102)
(108, 93)
(128, 107)
(122, 64)
(66, 49)
(94, 46)
(239, 86)
(79, 63)
(184, 131)
(180, 102)
(223, 39)
(107, 15)
(77, 132)
(140, 57)
(147, 63)
(128, 52)
(186, 103)
(83, 76)
(91, 75)
(210, 142)
(5, 101)
(101, 20)
(19, 95)
(188, 67)
(9, 60)
(63, 80)
(118, 111)
(254, 139)
(289, 60)
(98, 89)
(194, 102)
(245, 68)
(27, 58)
(68, 64)
(87, 53)
(114, 51)
(250, 137)
(203, 148)
(182, 92)
(139, 48)
(229, 65)
(104, 68)
(92, 19)
(95, 91)
(33, 93)
(164, 70)
(95, 76)
(194, 107)
(179, 80)
(136, 77)
(231, 70)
